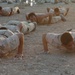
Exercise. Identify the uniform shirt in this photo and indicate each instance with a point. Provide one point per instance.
(54, 39)
(61, 9)
(7, 10)
(8, 41)
(26, 26)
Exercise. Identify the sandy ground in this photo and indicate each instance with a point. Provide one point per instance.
(35, 61)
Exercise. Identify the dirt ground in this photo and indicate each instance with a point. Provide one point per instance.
(35, 61)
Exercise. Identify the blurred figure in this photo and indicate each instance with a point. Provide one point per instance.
(10, 41)
(8, 11)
